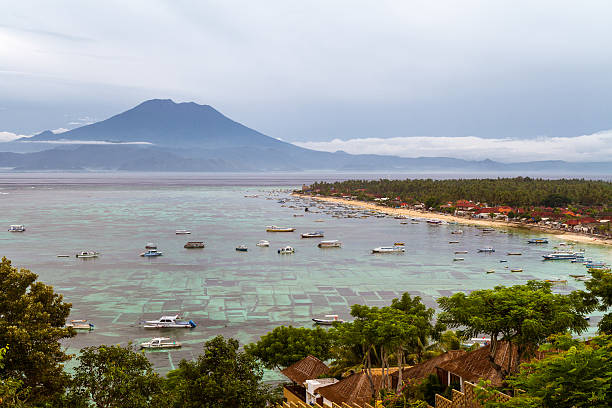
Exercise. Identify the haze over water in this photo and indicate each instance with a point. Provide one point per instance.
(243, 295)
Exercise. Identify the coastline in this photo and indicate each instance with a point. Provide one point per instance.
(568, 236)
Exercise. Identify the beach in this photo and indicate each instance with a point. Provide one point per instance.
(567, 235)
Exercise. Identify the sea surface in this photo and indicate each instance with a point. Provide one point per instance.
(242, 295)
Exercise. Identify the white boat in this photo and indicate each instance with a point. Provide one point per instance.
(328, 321)
(16, 228)
(182, 232)
(515, 253)
(80, 324)
(453, 242)
(160, 343)
(488, 249)
(316, 234)
(389, 250)
(286, 250)
(263, 243)
(87, 254)
(274, 228)
(457, 232)
(169, 322)
(151, 245)
(334, 243)
(242, 248)
(555, 256)
(461, 252)
(151, 253)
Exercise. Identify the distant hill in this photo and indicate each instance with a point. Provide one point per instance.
(192, 137)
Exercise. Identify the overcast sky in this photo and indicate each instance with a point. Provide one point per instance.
(324, 73)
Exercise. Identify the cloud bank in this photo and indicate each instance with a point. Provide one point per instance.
(592, 147)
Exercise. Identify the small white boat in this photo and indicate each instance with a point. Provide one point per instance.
(80, 324)
(160, 343)
(63, 256)
(328, 321)
(286, 250)
(169, 322)
(334, 243)
(151, 253)
(16, 228)
(461, 252)
(263, 243)
(389, 250)
(87, 254)
(274, 228)
(182, 232)
(316, 234)
(151, 245)
(514, 253)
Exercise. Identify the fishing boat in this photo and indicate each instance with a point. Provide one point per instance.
(461, 252)
(242, 248)
(503, 260)
(151, 245)
(399, 244)
(274, 228)
(63, 256)
(514, 253)
(334, 243)
(263, 243)
(488, 249)
(16, 228)
(80, 324)
(169, 322)
(87, 254)
(194, 244)
(389, 250)
(316, 234)
(516, 270)
(538, 241)
(286, 250)
(182, 232)
(328, 321)
(160, 343)
(151, 253)
(491, 271)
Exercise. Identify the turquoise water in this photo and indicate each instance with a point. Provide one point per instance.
(243, 295)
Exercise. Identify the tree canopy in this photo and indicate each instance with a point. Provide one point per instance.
(600, 286)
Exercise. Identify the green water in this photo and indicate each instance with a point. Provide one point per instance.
(243, 295)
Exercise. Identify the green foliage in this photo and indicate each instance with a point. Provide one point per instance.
(526, 315)
(284, 346)
(579, 377)
(221, 377)
(33, 319)
(600, 286)
(11, 390)
(112, 376)
(518, 191)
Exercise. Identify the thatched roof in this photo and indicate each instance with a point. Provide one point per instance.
(421, 371)
(306, 369)
(354, 389)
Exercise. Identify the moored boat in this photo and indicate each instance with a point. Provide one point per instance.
(182, 232)
(16, 228)
(151, 245)
(274, 228)
(194, 244)
(334, 243)
(556, 256)
(87, 254)
(328, 321)
(242, 248)
(169, 322)
(514, 253)
(488, 249)
(516, 270)
(456, 232)
(151, 253)
(80, 324)
(160, 343)
(461, 252)
(316, 234)
(286, 250)
(389, 250)
(538, 241)
(263, 243)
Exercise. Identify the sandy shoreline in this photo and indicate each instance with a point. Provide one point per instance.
(568, 236)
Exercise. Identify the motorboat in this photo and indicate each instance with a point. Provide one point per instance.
(503, 260)
(538, 241)
(263, 243)
(242, 248)
(274, 228)
(80, 324)
(491, 271)
(87, 254)
(169, 322)
(316, 234)
(286, 250)
(461, 252)
(160, 343)
(516, 270)
(488, 249)
(434, 222)
(328, 321)
(194, 244)
(556, 256)
(595, 265)
(334, 243)
(16, 228)
(182, 232)
(151, 253)
(453, 242)
(151, 245)
(458, 259)
(514, 253)
(457, 232)
(389, 250)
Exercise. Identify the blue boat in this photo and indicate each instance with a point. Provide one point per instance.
(151, 252)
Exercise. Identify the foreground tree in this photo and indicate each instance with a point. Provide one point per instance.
(32, 323)
(576, 378)
(600, 286)
(525, 315)
(113, 376)
(284, 346)
(221, 377)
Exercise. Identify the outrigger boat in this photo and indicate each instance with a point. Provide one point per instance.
(87, 254)
(16, 228)
(274, 228)
(160, 343)
(80, 324)
(328, 321)
(151, 253)
(169, 322)
(316, 234)
(194, 244)
(330, 244)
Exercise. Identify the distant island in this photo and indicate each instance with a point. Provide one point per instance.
(161, 135)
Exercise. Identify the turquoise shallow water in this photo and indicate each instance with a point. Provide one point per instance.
(243, 295)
